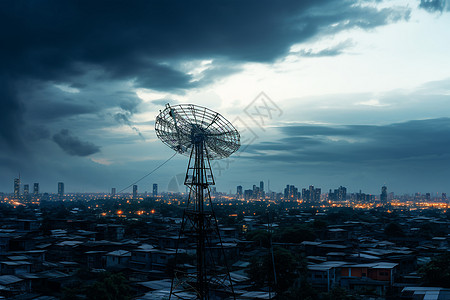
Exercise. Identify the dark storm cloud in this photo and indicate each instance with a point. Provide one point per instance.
(10, 113)
(73, 145)
(433, 5)
(129, 107)
(124, 118)
(420, 140)
(144, 42)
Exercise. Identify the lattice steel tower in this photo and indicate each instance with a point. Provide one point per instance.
(201, 134)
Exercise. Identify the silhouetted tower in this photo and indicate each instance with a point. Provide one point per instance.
(60, 189)
(239, 191)
(17, 188)
(36, 189)
(26, 191)
(383, 196)
(135, 191)
(155, 189)
(113, 192)
(203, 135)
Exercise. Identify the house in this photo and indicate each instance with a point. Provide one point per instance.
(326, 275)
(95, 259)
(380, 271)
(11, 286)
(118, 258)
(172, 241)
(376, 277)
(141, 259)
(15, 267)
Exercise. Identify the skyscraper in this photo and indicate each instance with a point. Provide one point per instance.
(60, 189)
(339, 194)
(26, 190)
(155, 189)
(239, 191)
(317, 193)
(17, 188)
(36, 189)
(290, 192)
(113, 192)
(261, 186)
(134, 191)
(383, 196)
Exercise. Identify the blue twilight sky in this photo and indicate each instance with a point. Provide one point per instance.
(356, 93)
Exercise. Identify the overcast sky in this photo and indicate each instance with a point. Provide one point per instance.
(355, 93)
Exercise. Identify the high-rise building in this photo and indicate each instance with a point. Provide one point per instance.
(261, 186)
(311, 194)
(256, 192)
(17, 188)
(444, 197)
(248, 194)
(135, 187)
(26, 190)
(239, 191)
(383, 195)
(155, 189)
(290, 192)
(36, 189)
(113, 192)
(339, 194)
(60, 189)
(317, 193)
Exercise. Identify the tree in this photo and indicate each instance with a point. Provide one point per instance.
(294, 234)
(110, 287)
(287, 269)
(437, 271)
(394, 230)
(261, 237)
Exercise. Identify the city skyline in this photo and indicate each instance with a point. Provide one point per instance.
(309, 193)
(355, 93)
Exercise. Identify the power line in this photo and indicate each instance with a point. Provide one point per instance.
(151, 172)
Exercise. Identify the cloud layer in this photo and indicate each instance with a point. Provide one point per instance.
(73, 145)
(147, 42)
(359, 144)
(69, 72)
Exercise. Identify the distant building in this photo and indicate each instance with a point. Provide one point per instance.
(383, 196)
(135, 187)
(311, 195)
(113, 192)
(444, 197)
(290, 192)
(248, 194)
(364, 197)
(239, 191)
(339, 194)
(26, 190)
(262, 194)
(60, 189)
(17, 188)
(155, 189)
(36, 189)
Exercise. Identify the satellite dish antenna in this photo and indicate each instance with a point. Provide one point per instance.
(203, 135)
(185, 126)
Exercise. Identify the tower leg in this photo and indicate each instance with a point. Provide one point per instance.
(200, 223)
